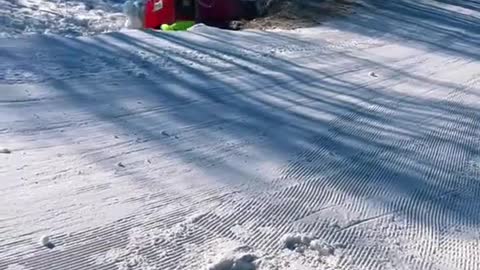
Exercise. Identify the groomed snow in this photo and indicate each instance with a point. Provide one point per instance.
(352, 145)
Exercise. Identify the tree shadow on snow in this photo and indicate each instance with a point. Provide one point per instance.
(452, 29)
(344, 141)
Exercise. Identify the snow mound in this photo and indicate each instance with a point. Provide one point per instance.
(300, 242)
(294, 241)
(222, 254)
(322, 247)
(303, 251)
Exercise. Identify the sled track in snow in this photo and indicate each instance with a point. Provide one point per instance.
(154, 158)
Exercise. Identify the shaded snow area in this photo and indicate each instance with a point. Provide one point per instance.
(63, 17)
(351, 145)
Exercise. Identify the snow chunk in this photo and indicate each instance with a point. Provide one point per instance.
(301, 242)
(235, 262)
(294, 241)
(323, 248)
(303, 251)
(221, 254)
(44, 240)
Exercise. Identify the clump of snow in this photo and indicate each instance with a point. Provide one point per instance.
(221, 254)
(302, 251)
(322, 247)
(44, 240)
(172, 234)
(235, 262)
(134, 10)
(296, 241)
(140, 73)
(300, 242)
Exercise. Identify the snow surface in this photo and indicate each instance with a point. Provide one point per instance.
(279, 150)
(63, 17)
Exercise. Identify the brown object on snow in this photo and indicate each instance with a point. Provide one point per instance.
(292, 14)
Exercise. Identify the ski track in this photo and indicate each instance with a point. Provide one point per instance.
(223, 142)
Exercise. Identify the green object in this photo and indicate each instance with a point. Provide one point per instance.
(178, 26)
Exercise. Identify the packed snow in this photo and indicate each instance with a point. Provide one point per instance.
(350, 145)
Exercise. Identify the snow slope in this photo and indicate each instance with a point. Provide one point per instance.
(354, 145)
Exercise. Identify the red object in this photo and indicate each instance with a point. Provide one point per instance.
(219, 10)
(158, 12)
